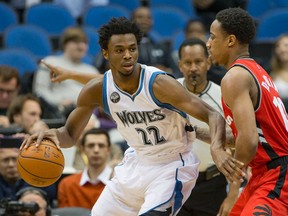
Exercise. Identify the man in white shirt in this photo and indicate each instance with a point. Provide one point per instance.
(63, 95)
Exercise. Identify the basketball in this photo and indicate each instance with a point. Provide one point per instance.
(41, 166)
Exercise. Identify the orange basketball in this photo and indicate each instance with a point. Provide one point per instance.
(41, 166)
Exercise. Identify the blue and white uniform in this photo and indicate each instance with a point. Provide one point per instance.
(159, 169)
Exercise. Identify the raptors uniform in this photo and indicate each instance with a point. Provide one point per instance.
(159, 170)
(267, 191)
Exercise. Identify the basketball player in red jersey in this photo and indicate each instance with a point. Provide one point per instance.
(256, 114)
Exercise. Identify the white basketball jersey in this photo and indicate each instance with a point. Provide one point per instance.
(155, 130)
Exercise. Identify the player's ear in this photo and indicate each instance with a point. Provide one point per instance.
(105, 54)
(231, 40)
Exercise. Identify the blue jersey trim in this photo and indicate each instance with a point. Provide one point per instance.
(105, 95)
(163, 105)
(178, 194)
(139, 87)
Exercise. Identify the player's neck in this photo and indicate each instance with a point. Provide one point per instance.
(241, 53)
(129, 84)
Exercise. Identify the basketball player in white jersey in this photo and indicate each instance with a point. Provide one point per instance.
(159, 171)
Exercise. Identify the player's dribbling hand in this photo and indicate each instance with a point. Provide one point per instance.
(228, 165)
(49, 134)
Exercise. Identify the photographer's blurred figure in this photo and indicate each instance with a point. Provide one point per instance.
(10, 181)
(34, 195)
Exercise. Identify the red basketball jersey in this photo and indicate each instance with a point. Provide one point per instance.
(271, 116)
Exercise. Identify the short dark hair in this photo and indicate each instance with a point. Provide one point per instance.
(191, 42)
(117, 26)
(7, 73)
(96, 131)
(17, 105)
(73, 34)
(238, 22)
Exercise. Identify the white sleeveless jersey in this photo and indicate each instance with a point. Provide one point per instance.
(156, 131)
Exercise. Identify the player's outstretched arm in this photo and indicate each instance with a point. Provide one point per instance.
(203, 134)
(58, 74)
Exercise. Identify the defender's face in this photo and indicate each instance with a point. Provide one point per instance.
(122, 53)
(217, 44)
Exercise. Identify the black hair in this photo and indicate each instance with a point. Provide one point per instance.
(96, 131)
(238, 22)
(32, 190)
(191, 42)
(117, 26)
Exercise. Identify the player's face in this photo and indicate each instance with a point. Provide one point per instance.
(217, 44)
(194, 65)
(96, 149)
(8, 168)
(122, 53)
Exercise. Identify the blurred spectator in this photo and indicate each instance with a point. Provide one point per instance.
(279, 67)
(150, 52)
(10, 181)
(63, 95)
(83, 189)
(78, 7)
(196, 28)
(25, 112)
(207, 9)
(81, 160)
(34, 195)
(193, 28)
(9, 88)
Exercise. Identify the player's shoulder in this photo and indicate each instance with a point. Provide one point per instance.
(151, 69)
